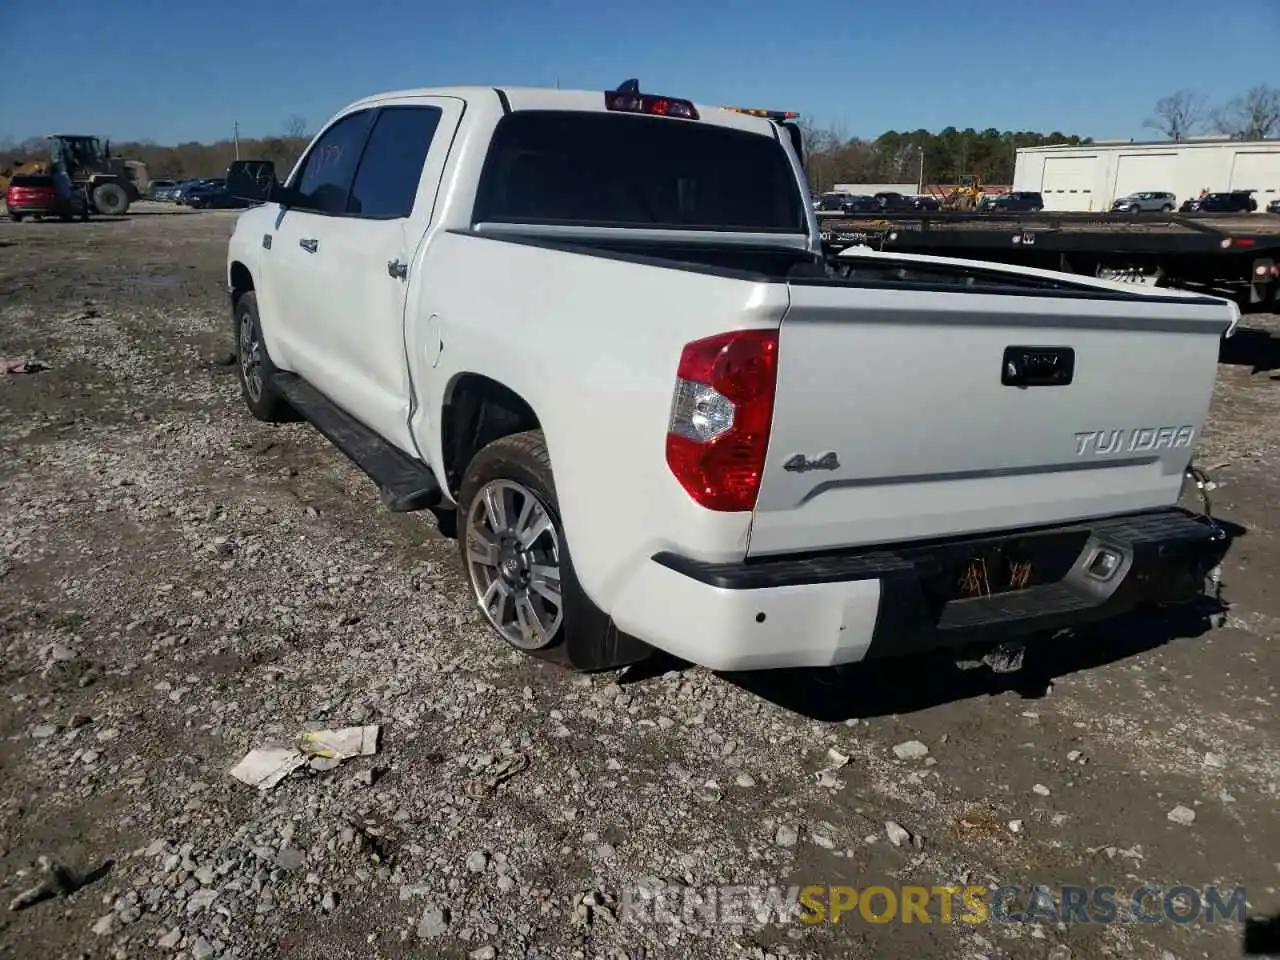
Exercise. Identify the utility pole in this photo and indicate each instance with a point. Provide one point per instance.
(235, 135)
(920, 186)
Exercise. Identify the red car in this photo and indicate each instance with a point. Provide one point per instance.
(45, 195)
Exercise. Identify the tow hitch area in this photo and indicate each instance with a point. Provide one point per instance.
(1001, 658)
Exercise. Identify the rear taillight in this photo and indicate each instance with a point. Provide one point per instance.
(720, 417)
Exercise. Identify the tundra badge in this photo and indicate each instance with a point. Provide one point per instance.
(1100, 443)
(799, 463)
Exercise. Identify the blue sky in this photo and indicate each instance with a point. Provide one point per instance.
(184, 70)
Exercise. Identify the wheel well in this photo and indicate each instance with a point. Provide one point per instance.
(241, 280)
(478, 411)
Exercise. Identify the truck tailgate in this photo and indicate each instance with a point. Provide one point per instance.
(915, 413)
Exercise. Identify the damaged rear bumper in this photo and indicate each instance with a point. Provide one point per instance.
(845, 606)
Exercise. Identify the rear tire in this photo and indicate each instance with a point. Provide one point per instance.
(15, 217)
(255, 366)
(511, 541)
(1166, 209)
(110, 199)
(581, 636)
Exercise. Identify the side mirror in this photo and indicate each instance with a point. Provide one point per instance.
(255, 180)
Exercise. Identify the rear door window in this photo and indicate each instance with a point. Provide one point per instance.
(619, 170)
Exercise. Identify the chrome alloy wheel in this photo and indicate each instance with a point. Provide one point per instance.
(250, 356)
(513, 560)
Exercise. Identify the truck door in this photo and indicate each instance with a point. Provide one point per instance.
(300, 250)
(369, 270)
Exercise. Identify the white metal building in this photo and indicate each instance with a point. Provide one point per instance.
(871, 189)
(1089, 177)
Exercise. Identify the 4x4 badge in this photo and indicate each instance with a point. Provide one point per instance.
(799, 463)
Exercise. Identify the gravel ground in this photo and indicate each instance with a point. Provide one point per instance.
(180, 583)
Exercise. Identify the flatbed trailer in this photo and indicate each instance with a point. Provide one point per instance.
(1234, 253)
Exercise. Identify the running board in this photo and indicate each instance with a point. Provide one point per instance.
(405, 484)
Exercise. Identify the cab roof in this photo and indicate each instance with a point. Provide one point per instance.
(550, 98)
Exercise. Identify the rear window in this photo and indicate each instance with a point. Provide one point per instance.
(31, 180)
(601, 169)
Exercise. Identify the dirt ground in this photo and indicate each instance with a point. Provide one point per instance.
(180, 583)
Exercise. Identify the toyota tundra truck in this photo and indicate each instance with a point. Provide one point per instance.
(593, 333)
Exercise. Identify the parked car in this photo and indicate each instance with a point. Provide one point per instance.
(185, 189)
(831, 202)
(157, 187)
(1232, 201)
(215, 198)
(1019, 201)
(860, 203)
(925, 203)
(1147, 201)
(170, 193)
(41, 195)
(641, 433)
(892, 202)
(1274, 206)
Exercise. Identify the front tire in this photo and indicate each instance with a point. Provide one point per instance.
(15, 217)
(255, 366)
(110, 199)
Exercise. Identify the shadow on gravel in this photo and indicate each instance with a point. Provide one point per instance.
(1251, 347)
(184, 211)
(94, 218)
(906, 684)
(1262, 936)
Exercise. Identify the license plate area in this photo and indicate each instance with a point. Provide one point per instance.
(977, 569)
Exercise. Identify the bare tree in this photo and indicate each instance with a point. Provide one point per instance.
(1178, 116)
(821, 145)
(295, 128)
(1254, 116)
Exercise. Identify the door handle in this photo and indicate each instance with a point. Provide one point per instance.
(397, 270)
(1038, 366)
(311, 246)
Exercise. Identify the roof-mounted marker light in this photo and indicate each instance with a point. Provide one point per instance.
(628, 99)
(780, 116)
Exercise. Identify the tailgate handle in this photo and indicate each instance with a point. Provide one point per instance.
(1038, 366)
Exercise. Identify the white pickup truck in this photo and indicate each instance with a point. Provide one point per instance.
(593, 332)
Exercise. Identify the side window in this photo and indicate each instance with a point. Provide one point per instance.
(325, 177)
(387, 181)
